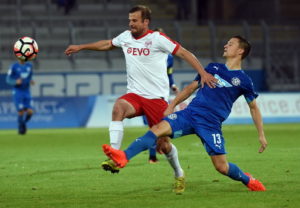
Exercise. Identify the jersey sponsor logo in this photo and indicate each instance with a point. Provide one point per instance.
(24, 75)
(138, 51)
(148, 44)
(172, 116)
(235, 81)
(221, 82)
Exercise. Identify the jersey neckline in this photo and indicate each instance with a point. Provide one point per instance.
(146, 33)
(232, 69)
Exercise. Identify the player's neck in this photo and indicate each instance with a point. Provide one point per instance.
(143, 33)
(234, 63)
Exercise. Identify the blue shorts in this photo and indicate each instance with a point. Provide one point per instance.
(183, 123)
(22, 100)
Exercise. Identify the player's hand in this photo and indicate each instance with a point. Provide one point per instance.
(18, 81)
(263, 143)
(175, 89)
(169, 110)
(72, 49)
(32, 82)
(208, 79)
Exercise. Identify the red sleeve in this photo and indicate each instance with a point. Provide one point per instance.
(173, 41)
(176, 48)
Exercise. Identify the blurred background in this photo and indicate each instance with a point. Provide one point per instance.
(201, 26)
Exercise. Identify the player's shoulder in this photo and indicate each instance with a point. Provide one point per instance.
(160, 35)
(156, 33)
(125, 34)
(14, 65)
(246, 77)
(28, 64)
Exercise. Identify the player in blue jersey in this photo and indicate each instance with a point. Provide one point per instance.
(20, 76)
(170, 62)
(205, 114)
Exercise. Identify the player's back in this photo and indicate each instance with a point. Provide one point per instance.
(217, 102)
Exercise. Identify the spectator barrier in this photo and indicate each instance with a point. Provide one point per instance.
(95, 111)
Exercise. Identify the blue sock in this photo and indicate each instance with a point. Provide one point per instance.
(237, 174)
(140, 144)
(152, 152)
(20, 119)
(28, 117)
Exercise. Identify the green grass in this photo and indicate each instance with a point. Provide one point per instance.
(60, 168)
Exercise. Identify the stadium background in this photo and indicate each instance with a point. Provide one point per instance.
(53, 168)
(79, 91)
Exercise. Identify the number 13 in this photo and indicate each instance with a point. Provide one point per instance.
(217, 138)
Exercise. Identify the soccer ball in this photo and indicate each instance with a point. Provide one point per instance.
(26, 49)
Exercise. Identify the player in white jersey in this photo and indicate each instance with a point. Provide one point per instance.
(147, 90)
(147, 55)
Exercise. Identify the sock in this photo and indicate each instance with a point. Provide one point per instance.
(20, 119)
(116, 131)
(140, 144)
(237, 174)
(172, 157)
(152, 152)
(28, 117)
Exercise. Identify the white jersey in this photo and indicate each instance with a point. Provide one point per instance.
(146, 62)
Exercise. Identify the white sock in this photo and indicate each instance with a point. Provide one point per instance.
(116, 130)
(172, 157)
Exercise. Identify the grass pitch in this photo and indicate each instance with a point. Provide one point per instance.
(60, 168)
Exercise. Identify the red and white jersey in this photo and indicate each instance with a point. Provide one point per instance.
(146, 62)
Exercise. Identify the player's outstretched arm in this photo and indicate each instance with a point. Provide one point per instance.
(206, 78)
(181, 96)
(102, 45)
(257, 118)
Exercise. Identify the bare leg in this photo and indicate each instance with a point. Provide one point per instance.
(121, 110)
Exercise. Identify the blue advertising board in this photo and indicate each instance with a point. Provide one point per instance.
(50, 112)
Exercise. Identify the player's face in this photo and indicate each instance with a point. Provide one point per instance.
(232, 48)
(137, 25)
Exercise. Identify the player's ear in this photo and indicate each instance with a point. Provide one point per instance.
(241, 51)
(146, 21)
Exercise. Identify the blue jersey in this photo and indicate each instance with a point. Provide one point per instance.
(211, 106)
(21, 93)
(214, 104)
(20, 71)
(170, 62)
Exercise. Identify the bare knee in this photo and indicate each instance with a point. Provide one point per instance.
(122, 109)
(117, 110)
(21, 112)
(29, 111)
(163, 145)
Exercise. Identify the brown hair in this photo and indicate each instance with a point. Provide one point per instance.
(145, 11)
(244, 44)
